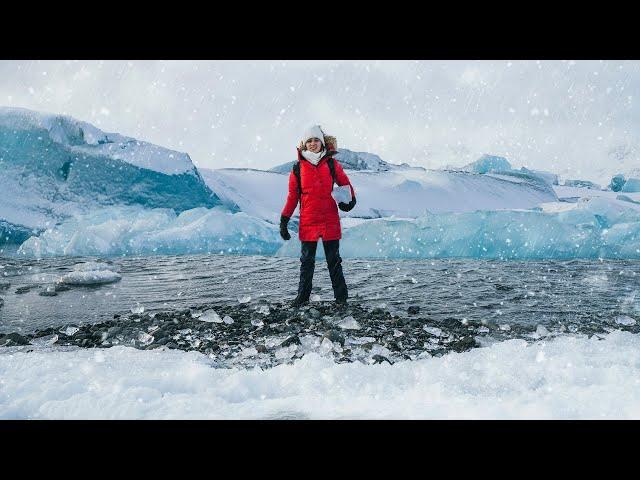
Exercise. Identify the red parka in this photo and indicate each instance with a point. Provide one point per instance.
(318, 210)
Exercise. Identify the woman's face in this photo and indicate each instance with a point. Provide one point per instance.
(313, 145)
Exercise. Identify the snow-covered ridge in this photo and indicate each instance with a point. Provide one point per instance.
(355, 161)
(403, 193)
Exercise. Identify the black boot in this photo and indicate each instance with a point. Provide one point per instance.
(307, 266)
(334, 262)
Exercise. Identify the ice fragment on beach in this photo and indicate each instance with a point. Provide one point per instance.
(349, 323)
(286, 352)
(435, 331)
(210, 316)
(69, 331)
(315, 298)
(625, 320)
(244, 299)
(256, 322)
(264, 309)
(227, 319)
(145, 338)
(138, 309)
(506, 327)
(45, 341)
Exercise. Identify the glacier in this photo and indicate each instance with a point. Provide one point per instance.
(54, 167)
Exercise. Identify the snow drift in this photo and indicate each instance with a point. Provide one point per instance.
(507, 380)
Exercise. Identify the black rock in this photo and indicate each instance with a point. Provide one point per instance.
(13, 339)
(464, 344)
(25, 289)
(334, 336)
(261, 349)
(290, 341)
(61, 287)
(380, 359)
(1, 302)
(413, 310)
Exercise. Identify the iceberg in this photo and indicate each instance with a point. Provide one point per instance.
(597, 228)
(54, 167)
(134, 230)
(488, 163)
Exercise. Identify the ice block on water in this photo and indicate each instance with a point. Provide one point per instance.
(342, 194)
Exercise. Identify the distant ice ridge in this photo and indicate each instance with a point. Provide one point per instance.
(597, 228)
(54, 166)
(135, 230)
(567, 377)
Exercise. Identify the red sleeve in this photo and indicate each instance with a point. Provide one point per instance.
(341, 177)
(292, 197)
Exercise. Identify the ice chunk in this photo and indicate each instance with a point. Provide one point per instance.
(145, 338)
(70, 331)
(286, 352)
(541, 331)
(625, 320)
(45, 341)
(227, 319)
(257, 322)
(210, 316)
(326, 346)
(95, 277)
(435, 331)
(264, 309)
(138, 309)
(315, 298)
(349, 323)
(244, 299)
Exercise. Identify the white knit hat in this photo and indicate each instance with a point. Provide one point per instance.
(313, 131)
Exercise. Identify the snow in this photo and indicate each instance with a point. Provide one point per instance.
(506, 380)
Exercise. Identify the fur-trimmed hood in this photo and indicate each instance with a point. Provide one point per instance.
(330, 143)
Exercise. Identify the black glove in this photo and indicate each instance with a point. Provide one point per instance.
(284, 233)
(345, 207)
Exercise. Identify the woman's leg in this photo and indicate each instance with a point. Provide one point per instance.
(334, 262)
(307, 265)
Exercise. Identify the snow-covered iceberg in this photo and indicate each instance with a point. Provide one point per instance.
(134, 230)
(54, 166)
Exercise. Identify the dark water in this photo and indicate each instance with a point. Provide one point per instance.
(526, 293)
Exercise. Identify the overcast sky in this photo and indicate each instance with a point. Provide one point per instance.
(564, 116)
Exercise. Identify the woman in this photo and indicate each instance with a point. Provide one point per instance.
(311, 182)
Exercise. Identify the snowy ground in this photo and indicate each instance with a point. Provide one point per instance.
(567, 377)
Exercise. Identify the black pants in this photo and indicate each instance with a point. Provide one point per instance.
(334, 262)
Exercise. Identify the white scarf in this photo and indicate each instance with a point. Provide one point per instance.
(313, 157)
